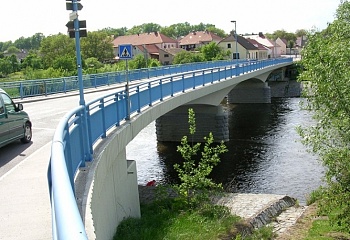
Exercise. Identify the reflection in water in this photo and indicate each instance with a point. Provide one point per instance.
(265, 154)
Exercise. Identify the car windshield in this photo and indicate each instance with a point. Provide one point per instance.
(9, 105)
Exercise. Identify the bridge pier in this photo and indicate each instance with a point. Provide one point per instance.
(253, 91)
(172, 126)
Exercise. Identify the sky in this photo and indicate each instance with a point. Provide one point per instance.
(24, 18)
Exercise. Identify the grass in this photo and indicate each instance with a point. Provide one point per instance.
(169, 219)
(322, 230)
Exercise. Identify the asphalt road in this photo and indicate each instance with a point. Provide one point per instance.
(45, 114)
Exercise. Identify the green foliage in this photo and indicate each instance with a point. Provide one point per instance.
(97, 45)
(56, 46)
(92, 65)
(114, 32)
(153, 63)
(8, 65)
(137, 62)
(188, 57)
(284, 35)
(169, 219)
(65, 63)
(31, 74)
(33, 60)
(213, 51)
(12, 50)
(325, 60)
(196, 186)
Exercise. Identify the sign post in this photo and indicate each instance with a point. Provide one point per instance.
(76, 29)
(125, 53)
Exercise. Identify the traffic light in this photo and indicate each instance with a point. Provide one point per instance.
(74, 25)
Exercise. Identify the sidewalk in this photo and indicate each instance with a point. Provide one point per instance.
(25, 211)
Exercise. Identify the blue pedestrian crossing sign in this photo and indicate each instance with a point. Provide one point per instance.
(125, 52)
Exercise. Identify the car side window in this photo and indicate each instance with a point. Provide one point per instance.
(2, 108)
(9, 105)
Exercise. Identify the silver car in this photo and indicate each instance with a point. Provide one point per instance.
(14, 122)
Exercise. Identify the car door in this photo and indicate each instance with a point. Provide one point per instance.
(13, 119)
(4, 130)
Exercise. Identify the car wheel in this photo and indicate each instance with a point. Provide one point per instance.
(27, 133)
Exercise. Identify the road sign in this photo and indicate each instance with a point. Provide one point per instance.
(125, 52)
(70, 24)
(69, 6)
(82, 33)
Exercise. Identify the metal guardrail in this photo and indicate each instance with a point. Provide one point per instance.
(109, 111)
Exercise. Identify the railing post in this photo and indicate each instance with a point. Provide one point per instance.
(138, 99)
(150, 94)
(194, 80)
(161, 89)
(172, 87)
(21, 90)
(183, 83)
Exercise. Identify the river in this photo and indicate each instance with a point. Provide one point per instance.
(264, 155)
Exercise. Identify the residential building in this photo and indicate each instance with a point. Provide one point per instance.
(194, 40)
(262, 50)
(149, 51)
(283, 46)
(300, 43)
(245, 49)
(273, 47)
(166, 56)
(145, 43)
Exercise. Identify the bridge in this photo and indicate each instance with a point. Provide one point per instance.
(88, 157)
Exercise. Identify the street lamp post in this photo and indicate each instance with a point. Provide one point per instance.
(236, 55)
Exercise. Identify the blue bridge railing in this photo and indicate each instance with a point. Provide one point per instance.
(31, 88)
(109, 111)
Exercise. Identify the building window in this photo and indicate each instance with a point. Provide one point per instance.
(235, 55)
(166, 55)
(229, 45)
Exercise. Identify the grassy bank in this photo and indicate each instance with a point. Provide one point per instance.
(170, 219)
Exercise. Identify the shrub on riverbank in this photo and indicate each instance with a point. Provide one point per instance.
(325, 63)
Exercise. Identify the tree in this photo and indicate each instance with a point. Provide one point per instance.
(188, 57)
(5, 45)
(12, 50)
(325, 60)
(36, 40)
(138, 62)
(290, 44)
(178, 30)
(144, 28)
(196, 186)
(32, 60)
(212, 52)
(5, 67)
(56, 46)
(114, 32)
(97, 45)
(301, 32)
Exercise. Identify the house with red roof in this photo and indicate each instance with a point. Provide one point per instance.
(197, 39)
(148, 44)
